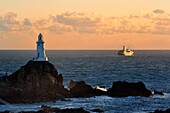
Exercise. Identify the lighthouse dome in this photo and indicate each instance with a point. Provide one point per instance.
(40, 36)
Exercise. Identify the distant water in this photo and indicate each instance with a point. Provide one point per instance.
(101, 68)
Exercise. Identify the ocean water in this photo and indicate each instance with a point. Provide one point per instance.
(100, 68)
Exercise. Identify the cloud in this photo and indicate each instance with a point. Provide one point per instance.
(80, 22)
(91, 23)
(51, 25)
(27, 22)
(78, 19)
(159, 11)
(10, 22)
(4, 28)
(10, 18)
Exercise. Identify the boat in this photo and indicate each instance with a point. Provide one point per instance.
(125, 52)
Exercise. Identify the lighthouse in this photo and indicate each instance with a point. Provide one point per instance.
(40, 52)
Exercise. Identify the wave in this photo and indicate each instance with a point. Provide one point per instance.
(166, 95)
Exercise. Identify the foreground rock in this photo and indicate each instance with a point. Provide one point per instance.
(97, 110)
(40, 81)
(124, 89)
(48, 109)
(34, 82)
(162, 111)
(158, 93)
(81, 89)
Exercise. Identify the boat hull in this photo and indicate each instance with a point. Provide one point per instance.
(131, 53)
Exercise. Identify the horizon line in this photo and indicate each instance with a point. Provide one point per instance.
(83, 49)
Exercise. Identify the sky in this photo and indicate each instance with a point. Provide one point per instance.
(85, 25)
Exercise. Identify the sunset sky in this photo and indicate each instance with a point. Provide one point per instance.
(84, 25)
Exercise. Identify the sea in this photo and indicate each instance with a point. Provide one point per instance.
(100, 68)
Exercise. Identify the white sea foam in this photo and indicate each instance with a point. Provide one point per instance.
(166, 95)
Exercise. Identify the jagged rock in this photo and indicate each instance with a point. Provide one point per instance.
(39, 81)
(124, 89)
(48, 109)
(157, 93)
(35, 82)
(65, 99)
(6, 111)
(97, 110)
(81, 89)
(162, 111)
(119, 89)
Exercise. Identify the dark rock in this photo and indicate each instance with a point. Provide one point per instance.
(124, 89)
(45, 107)
(97, 110)
(119, 89)
(60, 79)
(37, 81)
(158, 92)
(48, 109)
(81, 89)
(1, 103)
(73, 110)
(65, 99)
(162, 111)
(6, 111)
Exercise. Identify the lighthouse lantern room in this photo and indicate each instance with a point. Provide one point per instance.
(40, 52)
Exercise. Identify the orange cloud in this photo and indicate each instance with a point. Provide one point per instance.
(156, 22)
(10, 22)
(159, 11)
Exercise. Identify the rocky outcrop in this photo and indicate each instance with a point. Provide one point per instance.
(81, 89)
(124, 89)
(119, 89)
(97, 110)
(48, 109)
(162, 111)
(37, 81)
(158, 93)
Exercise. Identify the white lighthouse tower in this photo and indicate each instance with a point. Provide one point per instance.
(40, 52)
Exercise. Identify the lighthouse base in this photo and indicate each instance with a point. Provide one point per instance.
(40, 59)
